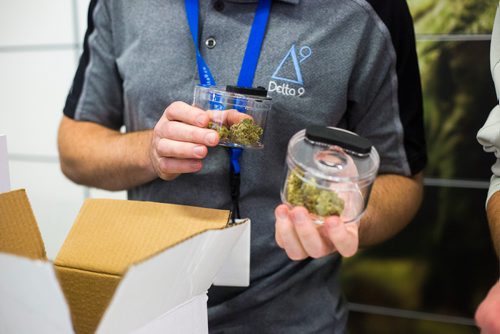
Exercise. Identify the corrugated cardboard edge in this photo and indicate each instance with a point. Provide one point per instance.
(130, 231)
(86, 316)
(88, 295)
(19, 232)
(228, 225)
(183, 271)
(82, 322)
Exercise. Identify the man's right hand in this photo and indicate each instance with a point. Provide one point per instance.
(180, 140)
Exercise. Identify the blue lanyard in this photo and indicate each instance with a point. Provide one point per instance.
(252, 52)
(248, 66)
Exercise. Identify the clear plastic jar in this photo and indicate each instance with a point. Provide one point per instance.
(330, 172)
(238, 114)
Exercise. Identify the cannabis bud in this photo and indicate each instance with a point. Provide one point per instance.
(223, 131)
(245, 133)
(309, 195)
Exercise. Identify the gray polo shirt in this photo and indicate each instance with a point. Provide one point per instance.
(346, 63)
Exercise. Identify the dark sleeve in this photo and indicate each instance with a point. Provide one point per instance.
(96, 92)
(396, 17)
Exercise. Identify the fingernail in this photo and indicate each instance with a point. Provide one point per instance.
(301, 216)
(282, 215)
(332, 222)
(211, 138)
(196, 165)
(199, 150)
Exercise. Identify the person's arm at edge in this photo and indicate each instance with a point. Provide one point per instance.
(493, 212)
(394, 201)
(96, 156)
(487, 313)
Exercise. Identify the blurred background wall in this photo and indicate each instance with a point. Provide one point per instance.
(40, 44)
(432, 276)
(429, 279)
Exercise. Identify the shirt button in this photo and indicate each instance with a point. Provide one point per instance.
(219, 5)
(210, 42)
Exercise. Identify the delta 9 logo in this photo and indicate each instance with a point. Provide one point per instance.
(288, 74)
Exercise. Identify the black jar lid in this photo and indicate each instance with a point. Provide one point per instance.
(255, 91)
(339, 137)
(332, 154)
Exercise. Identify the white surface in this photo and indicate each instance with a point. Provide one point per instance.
(153, 287)
(189, 317)
(55, 200)
(99, 193)
(33, 89)
(236, 269)
(35, 79)
(31, 299)
(4, 165)
(82, 8)
(24, 22)
(166, 293)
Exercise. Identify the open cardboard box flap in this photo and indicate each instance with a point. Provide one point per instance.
(123, 264)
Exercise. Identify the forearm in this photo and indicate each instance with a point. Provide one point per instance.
(96, 156)
(394, 201)
(493, 212)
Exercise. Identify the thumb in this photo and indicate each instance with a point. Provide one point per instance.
(344, 236)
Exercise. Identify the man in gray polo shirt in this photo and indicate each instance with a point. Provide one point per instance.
(346, 63)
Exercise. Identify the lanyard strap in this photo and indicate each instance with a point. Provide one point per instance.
(252, 52)
(245, 78)
(254, 44)
(206, 77)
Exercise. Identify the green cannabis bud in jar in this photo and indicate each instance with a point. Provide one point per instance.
(246, 132)
(308, 194)
(223, 131)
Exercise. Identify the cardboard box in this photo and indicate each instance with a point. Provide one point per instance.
(126, 266)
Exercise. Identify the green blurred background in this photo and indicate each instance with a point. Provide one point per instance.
(432, 276)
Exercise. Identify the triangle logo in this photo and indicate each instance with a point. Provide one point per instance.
(289, 69)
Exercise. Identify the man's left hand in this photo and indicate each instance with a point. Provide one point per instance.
(300, 237)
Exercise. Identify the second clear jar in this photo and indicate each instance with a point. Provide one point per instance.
(329, 171)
